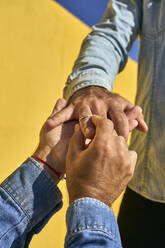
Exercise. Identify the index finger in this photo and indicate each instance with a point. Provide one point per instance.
(60, 104)
(60, 117)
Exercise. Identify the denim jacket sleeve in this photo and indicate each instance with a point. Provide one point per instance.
(104, 51)
(91, 223)
(28, 198)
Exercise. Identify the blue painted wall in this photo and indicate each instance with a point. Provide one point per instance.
(91, 12)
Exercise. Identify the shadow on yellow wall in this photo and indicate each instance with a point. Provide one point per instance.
(39, 42)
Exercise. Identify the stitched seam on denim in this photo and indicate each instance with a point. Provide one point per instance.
(46, 175)
(86, 84)
(19, 206)
(16, 202)
(82, 85)
(94, 202)
(89, 200)
(93, 77)
(13, 227)
(108, 234)
(151, 116)
(89, 72)
(94, 228)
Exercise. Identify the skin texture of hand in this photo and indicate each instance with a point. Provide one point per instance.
(53, 144)
(101, 170)
(97, 100)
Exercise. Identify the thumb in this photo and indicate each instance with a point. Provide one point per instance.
(104, 128)
(77, 143)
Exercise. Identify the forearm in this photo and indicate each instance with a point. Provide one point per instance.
(28, 199)
(104, 52)
(91, 223)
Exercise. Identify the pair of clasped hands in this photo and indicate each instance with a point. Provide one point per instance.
(102, 168)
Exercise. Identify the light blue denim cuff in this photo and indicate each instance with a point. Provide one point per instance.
(87, 78)
(33, 190)
(88, 214)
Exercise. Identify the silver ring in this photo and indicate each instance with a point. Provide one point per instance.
(84, 117)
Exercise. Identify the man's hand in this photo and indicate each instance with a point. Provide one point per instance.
(53, 144)
(99, 101)
(101, 170)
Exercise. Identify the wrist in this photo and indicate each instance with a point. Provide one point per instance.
(78, 193)
(49, 171)
(42, 157)
(42, 152)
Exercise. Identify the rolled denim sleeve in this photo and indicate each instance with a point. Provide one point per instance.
(104, 51)
(91, 223)
(28, 198)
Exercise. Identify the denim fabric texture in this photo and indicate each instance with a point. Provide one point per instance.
(91, 223)
(24, 206)
(25, 209)
(104, 54)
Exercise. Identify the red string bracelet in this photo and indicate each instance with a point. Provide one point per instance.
(58, 174)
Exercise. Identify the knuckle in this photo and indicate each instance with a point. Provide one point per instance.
(138, 108)
(129, 167)
(125, 167)
(130, 171)
(106, 125)
(115, 103)
(133, 158)
(102, 148)
(122, 140)
(120, 117)
(122, 157)
(98, 106)
(102, 121)
(96, 102)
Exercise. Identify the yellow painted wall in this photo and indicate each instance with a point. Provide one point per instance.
(39, 42)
